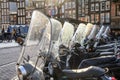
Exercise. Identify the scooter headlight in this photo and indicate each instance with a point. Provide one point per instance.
(25, 72)
(22, 71)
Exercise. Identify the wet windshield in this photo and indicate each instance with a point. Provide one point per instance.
(38, 39)
(64, 38)
(37, 27)
(56, 28)
(79, 33)
(66, 34)
(86, 33)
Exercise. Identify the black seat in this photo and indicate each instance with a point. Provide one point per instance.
(105, 46)
(97, 61)
(105, 50)
(106, 53)
(89, 72)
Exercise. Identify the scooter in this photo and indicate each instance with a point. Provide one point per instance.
(36, 61)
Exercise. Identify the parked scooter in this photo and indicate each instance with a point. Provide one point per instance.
(35, 53)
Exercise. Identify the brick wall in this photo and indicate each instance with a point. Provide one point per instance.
(112, 9)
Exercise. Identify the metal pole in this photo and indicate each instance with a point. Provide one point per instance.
(51, 8)
(100, 13)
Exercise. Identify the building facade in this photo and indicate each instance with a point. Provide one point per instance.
(13, 18)
(115, 15)
(94, 11)
(70, 9)
(21, 15)
(5, 13)
(29, 10)
(12, 12)
(0, 17)
(99, 11)
(34, 5)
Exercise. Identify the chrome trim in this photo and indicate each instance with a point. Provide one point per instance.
(23, 70)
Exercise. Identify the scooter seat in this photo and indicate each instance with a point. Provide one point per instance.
(106, 53)
(97, 61)
(89, 72)
(106, 46)
(103, 47)
(105, 50)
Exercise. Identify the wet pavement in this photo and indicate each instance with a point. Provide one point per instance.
(8, 58)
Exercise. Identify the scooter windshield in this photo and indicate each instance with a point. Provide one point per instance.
(38, 39)
(66, 34)
(37, 27)
(64, 38)
(78, 34)
(56, 28)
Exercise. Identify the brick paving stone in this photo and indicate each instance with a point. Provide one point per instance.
(8, 59)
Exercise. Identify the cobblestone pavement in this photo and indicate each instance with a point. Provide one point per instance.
(8, 58)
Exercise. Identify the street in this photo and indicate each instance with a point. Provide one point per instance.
(8, 58)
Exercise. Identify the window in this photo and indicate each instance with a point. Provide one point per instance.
(7, 19)
(62, 16)
(21, 20)
(37, 5)
(3, 19)
(74, 14)
(11, 18)
(42, 3)
(23, 11)
(97, 0)
(69, 5)
(92, 7)
(118, 10)
(66, 14)
(2, 5)
(18, 5)
(65, 5)
(4, 0)
(13, 6)
(18, 12)
(108, 5)
(107, 17)
(80, 3)
(97, 7)
(63, 9)
(18, 20)
(5, 5)
(70, 12)
(86, 1)
(23, 4)
(83, 5)
(92, 18)
(102, 18)
(102, 6)
(96, 18)
(4, 12)
(73, 4)
(86, 9)
(92, 0)
(83, 12)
